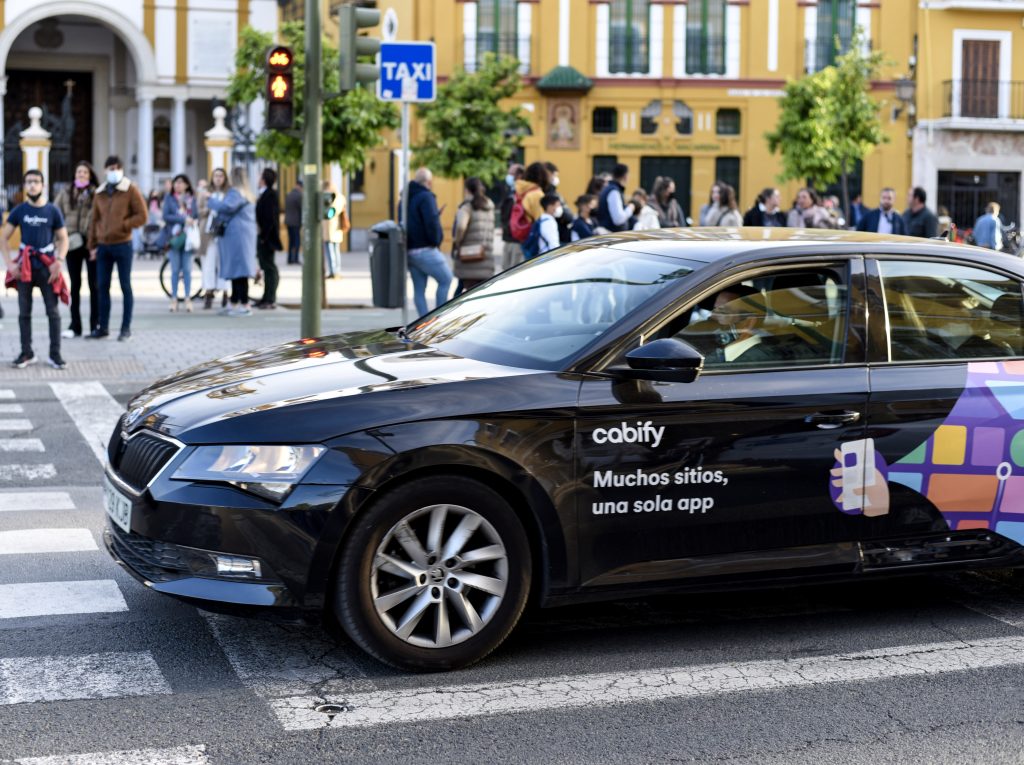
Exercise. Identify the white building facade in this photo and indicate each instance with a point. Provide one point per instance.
(136, 78)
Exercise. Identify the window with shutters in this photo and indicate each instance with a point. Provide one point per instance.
(705, 37)
(836, 20)
(979, 78)
(496, 31)
(606, 119)
(629, 39)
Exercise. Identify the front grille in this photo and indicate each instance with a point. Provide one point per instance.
(137, 460)
(153, 560)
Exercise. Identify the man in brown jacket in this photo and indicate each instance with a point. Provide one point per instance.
(117, 208)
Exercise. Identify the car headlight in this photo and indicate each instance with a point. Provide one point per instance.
(268, 471)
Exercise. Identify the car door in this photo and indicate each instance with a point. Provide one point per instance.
(946, 409)
(729, 474)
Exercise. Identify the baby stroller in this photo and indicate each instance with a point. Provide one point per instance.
(151, 245)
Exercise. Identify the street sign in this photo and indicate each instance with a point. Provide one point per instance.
(408, 72)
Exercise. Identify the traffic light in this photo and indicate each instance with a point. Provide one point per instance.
(327, 211)
(352, 45)
(280, 109)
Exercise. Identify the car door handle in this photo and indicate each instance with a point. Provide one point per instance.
(831, 420)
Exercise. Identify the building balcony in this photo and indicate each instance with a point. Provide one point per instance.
(476, 47)
(983, 104)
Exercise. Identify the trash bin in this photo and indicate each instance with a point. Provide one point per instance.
(387, 265)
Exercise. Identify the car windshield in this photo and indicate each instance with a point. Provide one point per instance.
(541, 314)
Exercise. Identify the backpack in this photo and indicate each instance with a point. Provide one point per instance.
(519, 223)
(531, 245)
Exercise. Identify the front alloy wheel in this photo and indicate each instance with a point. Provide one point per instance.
(435, 575)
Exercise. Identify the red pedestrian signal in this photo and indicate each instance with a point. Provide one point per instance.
(280, 109)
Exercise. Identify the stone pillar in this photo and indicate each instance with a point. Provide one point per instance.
(219, 143)
(178, 153)
(145, 141)
(35, 146)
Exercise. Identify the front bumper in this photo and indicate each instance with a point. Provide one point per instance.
(175, 525)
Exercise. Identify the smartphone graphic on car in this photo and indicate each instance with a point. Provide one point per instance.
(858, 462)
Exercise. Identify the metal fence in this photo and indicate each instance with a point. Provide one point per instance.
(983, 99)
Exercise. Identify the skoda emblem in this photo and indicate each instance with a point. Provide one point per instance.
(132, 417)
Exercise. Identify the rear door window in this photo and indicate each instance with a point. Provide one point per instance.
(940, 311)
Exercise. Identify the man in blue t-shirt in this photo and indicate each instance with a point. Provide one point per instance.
(44, 244)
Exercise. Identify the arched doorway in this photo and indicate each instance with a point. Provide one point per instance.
(94, 72)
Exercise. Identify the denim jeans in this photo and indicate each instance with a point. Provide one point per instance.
(294, 244)
(181, 261)
(108, 256)
(424, 262)
(40, 279)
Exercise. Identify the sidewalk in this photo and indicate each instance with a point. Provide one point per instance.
(164, 342)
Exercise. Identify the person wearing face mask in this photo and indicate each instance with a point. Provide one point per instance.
(565, 221)
(44, 244)
(548, 223)
(670, 214)
(75, 204)
(118, 207)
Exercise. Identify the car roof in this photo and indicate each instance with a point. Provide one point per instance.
(707, 244)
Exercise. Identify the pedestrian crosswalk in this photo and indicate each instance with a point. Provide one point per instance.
(179, 755)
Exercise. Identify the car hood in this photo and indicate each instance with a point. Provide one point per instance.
(306, 390)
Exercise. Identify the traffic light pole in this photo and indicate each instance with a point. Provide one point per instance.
(312, 247)
(405, 209)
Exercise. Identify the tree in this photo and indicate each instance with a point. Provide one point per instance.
(466, 131)
(828, 120)
(352, 124)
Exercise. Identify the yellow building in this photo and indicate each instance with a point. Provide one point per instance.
(969, 137)
(684, 89)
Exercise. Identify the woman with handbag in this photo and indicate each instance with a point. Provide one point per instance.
(235, 227)
(473, 249)
(179, 210)
(216, 189)
(75, 204)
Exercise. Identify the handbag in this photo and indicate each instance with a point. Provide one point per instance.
(471, 253)
(220, 226)
(75, 241)
(192, 239)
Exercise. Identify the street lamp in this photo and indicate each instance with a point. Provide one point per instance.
(905, 90)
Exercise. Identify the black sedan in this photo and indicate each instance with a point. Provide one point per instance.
(631, 414)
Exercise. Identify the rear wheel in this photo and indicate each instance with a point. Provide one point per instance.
(434, 575)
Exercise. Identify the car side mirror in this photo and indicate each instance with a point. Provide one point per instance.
(665, 360)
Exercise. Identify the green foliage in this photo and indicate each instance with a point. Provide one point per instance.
(466, 131)
(352, 124)
(828, 119)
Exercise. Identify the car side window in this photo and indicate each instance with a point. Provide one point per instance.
(940, 311)
(784, 319)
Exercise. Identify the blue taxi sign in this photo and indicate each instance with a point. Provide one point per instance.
(408, 72)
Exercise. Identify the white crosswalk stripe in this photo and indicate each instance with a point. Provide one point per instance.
(178, 755)
(55, 598)
(91, 676)
(41, 541)
(614, 688)
(93, 410)
(19, 472)
(6, 393)
(16, 425)
(35, 500)
(21, 445)
(12, 409)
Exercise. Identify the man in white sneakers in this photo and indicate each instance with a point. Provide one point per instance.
(44, 244)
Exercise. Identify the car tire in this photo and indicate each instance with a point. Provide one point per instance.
(406, 595)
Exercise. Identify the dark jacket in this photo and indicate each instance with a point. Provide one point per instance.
(293, 208)
(755, 216)
(870, 222)
(604, 216)
(922, 223)
(268, 220)
(424, 229)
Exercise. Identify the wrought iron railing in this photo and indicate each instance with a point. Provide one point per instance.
(476, 47)
(983, 99)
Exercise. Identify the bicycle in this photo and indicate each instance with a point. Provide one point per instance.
(197, 277)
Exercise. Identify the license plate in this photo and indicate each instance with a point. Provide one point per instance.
(118, 506)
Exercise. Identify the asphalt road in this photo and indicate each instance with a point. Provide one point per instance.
(95, 668)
